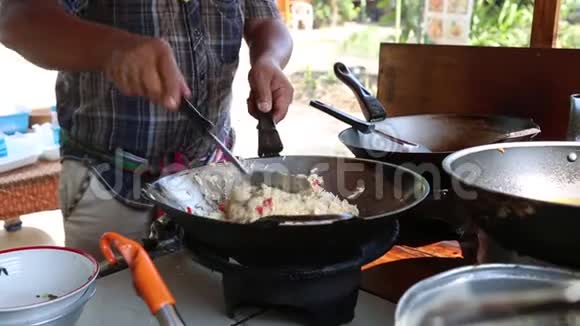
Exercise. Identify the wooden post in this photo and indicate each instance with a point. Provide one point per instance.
(399, 11)
(545, 23)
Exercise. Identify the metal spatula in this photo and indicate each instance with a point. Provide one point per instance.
(368, 127)
(285, 182)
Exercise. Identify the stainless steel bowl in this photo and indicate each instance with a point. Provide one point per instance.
(471, 283)
(45, 285)
(67, 316)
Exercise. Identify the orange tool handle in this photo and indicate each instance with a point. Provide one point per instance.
(147, 280)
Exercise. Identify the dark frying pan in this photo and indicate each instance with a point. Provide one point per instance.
(441, 133)
(382, 192)
(517, 194)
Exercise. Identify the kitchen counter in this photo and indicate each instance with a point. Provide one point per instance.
(198, 292)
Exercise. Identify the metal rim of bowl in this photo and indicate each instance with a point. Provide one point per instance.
(430, 284)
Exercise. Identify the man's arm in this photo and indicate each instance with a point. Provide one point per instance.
(270, 47)
(46, 35)
(268, 38)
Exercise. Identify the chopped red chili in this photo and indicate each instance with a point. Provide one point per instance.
(189, 210)
(222, 207)
(267, 202)
(260, 210)
(315, 182)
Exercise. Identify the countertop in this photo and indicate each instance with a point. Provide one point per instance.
(198, 292)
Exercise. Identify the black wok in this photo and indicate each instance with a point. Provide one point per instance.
(388, 192)
(441, 133)
(521, 195)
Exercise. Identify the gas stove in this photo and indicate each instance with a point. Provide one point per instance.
(200, 300)
(322, 292)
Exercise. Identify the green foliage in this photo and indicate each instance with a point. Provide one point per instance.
(502, 23)
(365, 43)
(324, 10)
(411, 18)
(568, 34)
(310, 83)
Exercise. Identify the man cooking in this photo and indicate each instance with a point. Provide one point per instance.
(124, 68)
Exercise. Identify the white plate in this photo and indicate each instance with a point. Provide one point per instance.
(13, 162)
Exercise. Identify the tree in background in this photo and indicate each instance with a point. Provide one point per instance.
(502, 23)
(411, 12)
(333, 12)
(509, 23)
(569, 29)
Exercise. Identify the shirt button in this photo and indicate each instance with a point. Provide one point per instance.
(197, 33)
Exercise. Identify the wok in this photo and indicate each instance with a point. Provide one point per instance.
(382, 192)
(525, 195)
(441, 133)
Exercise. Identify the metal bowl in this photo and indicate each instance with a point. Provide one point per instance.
(473, 282)
(41, 285)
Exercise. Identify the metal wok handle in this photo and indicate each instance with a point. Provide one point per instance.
(527, 133)
(370, 105)
(358, 124)
(147, 280)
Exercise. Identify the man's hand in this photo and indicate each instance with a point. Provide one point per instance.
(45, 34)
(270, 89)
(146, 67)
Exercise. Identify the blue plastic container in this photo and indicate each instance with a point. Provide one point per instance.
(15, 122)
(3, 147)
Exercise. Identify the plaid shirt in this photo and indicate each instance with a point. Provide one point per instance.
(205, 35)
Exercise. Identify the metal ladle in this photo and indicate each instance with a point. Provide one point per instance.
(368, 127)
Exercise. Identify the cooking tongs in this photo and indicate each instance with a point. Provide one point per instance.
(146, 279)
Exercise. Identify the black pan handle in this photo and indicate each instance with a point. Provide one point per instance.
(358, 124)
(372, 109)
(266, 121)
(269, 141)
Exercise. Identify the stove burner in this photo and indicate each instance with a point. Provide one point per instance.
(489, 251)
(326, 292)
